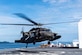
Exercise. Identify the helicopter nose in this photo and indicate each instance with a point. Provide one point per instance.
(59, 36)
(56, 36)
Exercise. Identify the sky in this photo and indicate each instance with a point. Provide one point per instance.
(41, 11)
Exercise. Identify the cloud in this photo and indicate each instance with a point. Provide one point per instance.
(63, 1)
(50, 1)
(55, 1)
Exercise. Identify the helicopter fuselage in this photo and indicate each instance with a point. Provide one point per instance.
(38, 35)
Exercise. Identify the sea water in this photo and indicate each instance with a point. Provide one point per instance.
(22, 45)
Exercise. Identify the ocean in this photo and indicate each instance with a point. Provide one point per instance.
(22, 45)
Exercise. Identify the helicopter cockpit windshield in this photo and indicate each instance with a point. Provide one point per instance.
(48, 30)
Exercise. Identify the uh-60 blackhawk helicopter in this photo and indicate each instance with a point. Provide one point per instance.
(37, 34)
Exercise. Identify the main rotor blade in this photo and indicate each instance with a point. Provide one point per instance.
(26, 18)
(19, 24)
(61, 22)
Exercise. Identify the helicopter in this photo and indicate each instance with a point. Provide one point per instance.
(37, 34)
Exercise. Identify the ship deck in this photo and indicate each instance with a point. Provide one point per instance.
(41, 51)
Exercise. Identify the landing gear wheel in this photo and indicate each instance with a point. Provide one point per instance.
(34, 43)
(49, 42)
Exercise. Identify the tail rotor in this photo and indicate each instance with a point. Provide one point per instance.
(22, 32)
